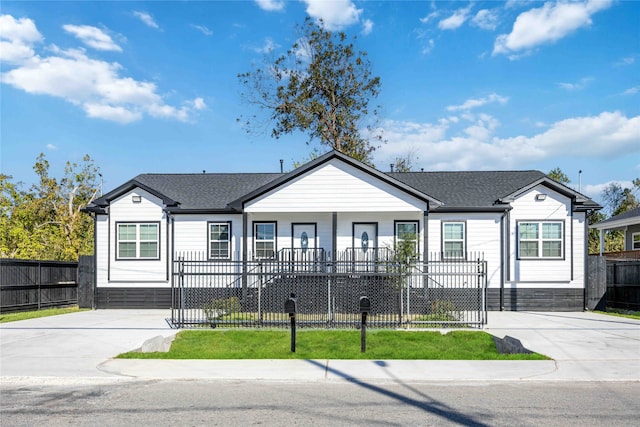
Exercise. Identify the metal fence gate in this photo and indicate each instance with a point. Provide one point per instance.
(432, 293)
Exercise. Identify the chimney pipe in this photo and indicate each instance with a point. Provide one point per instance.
(281, 168)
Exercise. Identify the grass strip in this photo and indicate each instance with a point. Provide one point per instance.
(621, 313)
(332, 344)
(24, 315)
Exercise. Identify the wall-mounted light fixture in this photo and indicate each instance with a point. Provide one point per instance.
(540, 197)
(136, 198)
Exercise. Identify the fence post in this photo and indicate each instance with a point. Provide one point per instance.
(39, 285)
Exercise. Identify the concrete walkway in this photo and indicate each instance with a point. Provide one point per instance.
(80, 346)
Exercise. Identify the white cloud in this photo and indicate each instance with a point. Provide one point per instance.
(367, 26)
(632, 90)
(581, 84)
(198, 104)
(146, 18)
(17, 37)
(268, 46)
(485, 19)
(51, 147)
(92, 37)
(97, 87)
(609, 134)
(626, 61)
(546, 24)
(595, 190)
(456, 20)
(429, 17)
(335, 15)
(474, 103)
(204, 30)
(428, 47)
(270, 5)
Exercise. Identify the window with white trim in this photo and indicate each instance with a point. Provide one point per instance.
(219, 240)
(635, 241)
(453, 240)
(264, 240)
(407, 231)
(540, 239)
(138, 240)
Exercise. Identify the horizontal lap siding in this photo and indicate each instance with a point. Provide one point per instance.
(191, 232)
(336, 187)
(555, 207)
(482, 237)
(148, 210)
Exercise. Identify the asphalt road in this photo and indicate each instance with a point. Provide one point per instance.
(223, 403)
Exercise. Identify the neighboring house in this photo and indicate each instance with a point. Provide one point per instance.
(627, 222)
(531, 229)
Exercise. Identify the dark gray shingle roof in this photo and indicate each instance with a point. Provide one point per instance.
(208, 190)
(457, 190)
(625, 215)
(469, 189)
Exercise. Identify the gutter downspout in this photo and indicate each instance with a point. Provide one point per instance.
(94, 303)
(503, 252)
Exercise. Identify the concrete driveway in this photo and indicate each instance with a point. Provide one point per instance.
(73, 345)
(584, 346)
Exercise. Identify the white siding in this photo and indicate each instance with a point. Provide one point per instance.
(283, 227)
(482, 236)
(102, 249)
(191, 234)
(336, 187)
(567, 272)
(137, 273)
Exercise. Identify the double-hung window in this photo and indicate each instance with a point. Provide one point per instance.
(635, 241)
(138, 240)
(407, 235)
(453, 240)
(264, 240)
(219, 240)
(540, 239)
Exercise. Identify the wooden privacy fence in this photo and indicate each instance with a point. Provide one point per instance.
(612, 284)
(623, 284)
(32, 285)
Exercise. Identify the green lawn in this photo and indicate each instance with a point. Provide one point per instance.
(621, 313)
(332, 344)
(13, 317)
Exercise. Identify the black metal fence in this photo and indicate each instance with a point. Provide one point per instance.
(433, 293)
(32, 285)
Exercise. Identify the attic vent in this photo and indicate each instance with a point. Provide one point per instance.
(136, 198)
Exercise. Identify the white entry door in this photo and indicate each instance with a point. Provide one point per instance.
(365, 242)
(304, 242)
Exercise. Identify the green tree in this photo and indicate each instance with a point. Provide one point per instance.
(45, 222)
(617, 200)
(557, 175)
(321, 86)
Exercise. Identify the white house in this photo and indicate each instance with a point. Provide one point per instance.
(627, 222)
(530, 229)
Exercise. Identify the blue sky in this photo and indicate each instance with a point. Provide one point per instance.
(152, 86)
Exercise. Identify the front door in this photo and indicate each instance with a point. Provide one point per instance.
(365, 244)
(303, 242)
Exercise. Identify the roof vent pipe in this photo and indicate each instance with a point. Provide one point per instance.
(391, 166)
(281, 168)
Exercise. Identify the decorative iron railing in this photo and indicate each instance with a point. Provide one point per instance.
(413, 293)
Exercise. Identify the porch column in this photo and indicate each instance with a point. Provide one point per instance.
(334, 232)
(244, 255)
(425, 237)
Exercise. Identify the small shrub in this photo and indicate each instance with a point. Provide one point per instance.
(219, 307)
